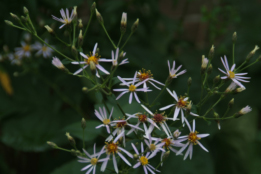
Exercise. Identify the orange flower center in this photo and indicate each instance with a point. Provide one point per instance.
(27, 48)
(181, 103)
(193, 137)
(144, 75)
(142, 118)
(111, 147)
(167, 142)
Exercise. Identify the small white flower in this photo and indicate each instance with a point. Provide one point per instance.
(92, 61)
(57, 63)
(113, 148)
(144, 160)
(132, 89)
(92, 159)
(124, 19)
(115, 58)
(154, 147)
(160, 119)
(42, 49)
(173, 72)
(180, 106)
(103, 117)
(176, 134)
(66, 19)
(245, 110)
(24, 51)
(204, 63)
(230, 74)
(192, 138)
(14, 58)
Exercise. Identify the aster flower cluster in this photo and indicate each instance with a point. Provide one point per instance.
(152, 125)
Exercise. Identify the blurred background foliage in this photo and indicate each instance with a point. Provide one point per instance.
(46, 103)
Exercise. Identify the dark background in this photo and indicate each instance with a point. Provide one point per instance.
(46, 102)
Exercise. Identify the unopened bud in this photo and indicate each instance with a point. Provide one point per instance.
(231, 103)
(57, 63)
(188, 108)
(177, 133)
(211, 52)
(252, 53)
(243, 111)
(83, 123)
(53, 145)
(80, 39)
(93, 7)
(231, 87)
(238, 90)
(123, 22)
(80, 24)
(216, 115)
(166, 155)
(24, 19)
(135, 25)
(189, 81)
(216, 79)
(204, 64)
(99, 17)
(15, 16)
(84, 89)
(135, 156)
(9, 22)
(76, 152)
(122, 55)
(92, 66)
(49, 29)
(26, 11)
(75, 11)
(70, 138)
(234, 37)
(209, 71)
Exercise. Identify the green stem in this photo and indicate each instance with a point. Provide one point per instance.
(20, 28)
(68, 45)
(241, 66)
(221, 97)
(86, 29)
(30, 22)
(108, 36)
(83, 142)
(226, 118)
(126, 41)
(228, 108)
(248, 66)
(158, 96)
(74, 30)
(120, 40)
(63, 149)
(233, 53)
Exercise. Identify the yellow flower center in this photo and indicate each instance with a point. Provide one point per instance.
(66, 21)
(142, 117)
(111, 147)
(193, 137)
(44, 48)
(94, 59)
(172, 75)
(132, 88)
(94, 161)
(231, 74)
(27, 48)
(144, 160)
(144, 74)
(181, 103)
(152, 147)
(167, 142)
(106, 121)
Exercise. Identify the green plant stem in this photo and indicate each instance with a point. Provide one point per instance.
(221, 97)
(241, 66)
(63, 149)
(83, 142)
(228, 108)
(126, 41)
(108, 36)
(158, 96)
(68, 45)
(86, 29)
(248, 66)
(30, 22)
(74, 30)
(19, 27)
(120, 40)
(233, 52)
(226, 118)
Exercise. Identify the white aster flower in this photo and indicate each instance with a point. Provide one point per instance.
(115, 58)
(112, 148)
(132, 89)
(154, 147)
(245, 110)
(120, 127)
(180, 106)
(66, 19)
(230, 74)
(92, 159)
(173, 72)
(193, 139)
(42, 49)
(24, 51)
(57, 63)
(14, 58)
(92, 61)
(160, 119)
(102, 115)
(144, 160)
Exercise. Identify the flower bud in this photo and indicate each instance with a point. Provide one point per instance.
(70, 138)
(188, 108)
(231, 103)
(83, 123)
(49, 29)
(189, 81)
(135, 156)
(80, 39)
(238, 90)
(57, 63)
(204, 64)
(166, 155)
(231, 87)
(24, 19)
(99, 17)
(76, 152)
(15, 16)
(84, 89)
(93, 7)
(216, 79)
(211, 52)
(123, 22)
(9, 22)
(80, 24)
(176, 134)
(122, 55)
(209, 71)
(75, 11)
(26, 11)
(135, 25)
(234, 37)
(218, 122)
(252, 53)
(53, 145)
(243, 111)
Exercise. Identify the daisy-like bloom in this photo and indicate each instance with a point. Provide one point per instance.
(103, 117)
(154, 147)
(120, 127)
(132, 88)
(160, 119)
(57, 63)
(115, 58)
(14, 58)
(144, 160)
(193, 139)
(181, 106)
(142, 118)
(173, 72)
(66, 19)
(92, 159)
(230, 74)
(92, 60)
(245, 110)
(42, 49)
(112, 148)
(144, 77)
(24, 51)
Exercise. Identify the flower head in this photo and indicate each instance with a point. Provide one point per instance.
(115, 58)
(231, 74)
(57, 63)
(173, 72)
(102, 115)
(245, 110)
(42, 49)
(24, 51)
(66, 19)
